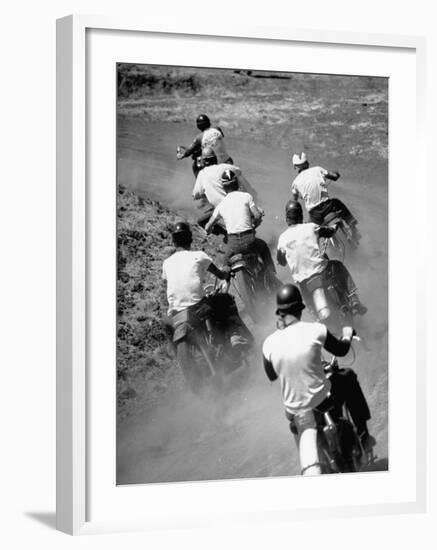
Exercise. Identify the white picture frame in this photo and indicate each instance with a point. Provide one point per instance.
(74, 463)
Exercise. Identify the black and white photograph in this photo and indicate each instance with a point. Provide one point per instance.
(252, 274)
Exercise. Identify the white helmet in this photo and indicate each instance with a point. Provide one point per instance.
(298, 160)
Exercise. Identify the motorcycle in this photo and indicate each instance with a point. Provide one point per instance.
(344, 236)
(339, 448)
(253, 280)
(250, 282)
(201, 339)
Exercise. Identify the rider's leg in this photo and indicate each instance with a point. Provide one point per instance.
(264, 252)
(238, 244)
(345, 213)
(306, 295)
(343, 278)
(318, 213)
(217, 228)
(309, 457)
(304, 429)
(345, 388)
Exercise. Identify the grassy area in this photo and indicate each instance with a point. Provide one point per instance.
(146, 365)
(276, 108)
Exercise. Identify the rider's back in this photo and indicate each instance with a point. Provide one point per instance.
(213, 137)
(311, 185)
(185, 272)
(235, 209)
(301, 246)
(209, 181)
(295, 353)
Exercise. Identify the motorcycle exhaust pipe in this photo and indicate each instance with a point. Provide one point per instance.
(321, 304)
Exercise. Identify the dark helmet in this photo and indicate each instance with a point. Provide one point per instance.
(229, 180)
(208, 156)
(289, 300)
(293, 212)
(203, 122)
(181, 234)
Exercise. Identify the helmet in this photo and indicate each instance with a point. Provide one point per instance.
(208, 156)
(298, 160)
(293, 212)
(203, 122)
(182, 235)
(229, 180)
(289, 300)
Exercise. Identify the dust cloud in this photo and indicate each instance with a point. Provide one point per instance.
(243, 433)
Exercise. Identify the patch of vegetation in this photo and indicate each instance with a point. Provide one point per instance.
(277, 108)
(146, 366)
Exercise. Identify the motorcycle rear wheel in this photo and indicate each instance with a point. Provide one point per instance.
(245, 290)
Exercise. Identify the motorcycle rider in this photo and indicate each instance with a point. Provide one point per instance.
(293, 354)
(209, 184)
(241, 216)
(311, 185)
(185, 272)
(209, 136)
(299, 247)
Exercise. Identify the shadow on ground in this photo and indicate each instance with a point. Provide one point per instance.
(381, 464)
(46, 518)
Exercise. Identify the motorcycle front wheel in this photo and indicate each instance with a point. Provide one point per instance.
(195, 362)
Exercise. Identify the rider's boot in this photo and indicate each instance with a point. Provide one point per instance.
(357, 307)
(239, 344)
(353, 226)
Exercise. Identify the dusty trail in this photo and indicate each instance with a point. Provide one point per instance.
(246, 435)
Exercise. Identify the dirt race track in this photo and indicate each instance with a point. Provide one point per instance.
(246, 434)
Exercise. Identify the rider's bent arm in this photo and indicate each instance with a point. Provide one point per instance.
(211, 221)
(256, 214)
(332, 176)
(337, 347)
(270, 371)
(198, 190)
(281, 257)
(195, 147)
(219, 273)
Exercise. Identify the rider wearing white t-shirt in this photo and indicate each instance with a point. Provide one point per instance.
(298, 246)
(293, 355)
(311, 185)
(209, 181)
(214, 138)
(240, 216)
(209, 186)
(185, 271)
(209, 136)
(238, 211)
